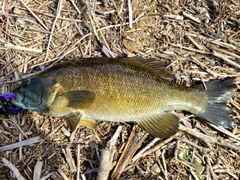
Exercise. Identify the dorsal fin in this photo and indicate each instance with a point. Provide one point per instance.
(152, 65)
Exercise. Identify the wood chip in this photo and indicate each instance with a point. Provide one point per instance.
(106, 162)
(37, 170)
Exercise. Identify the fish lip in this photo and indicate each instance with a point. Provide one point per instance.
(18, 99)
(16, 103)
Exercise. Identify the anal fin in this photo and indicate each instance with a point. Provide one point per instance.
(162, 125)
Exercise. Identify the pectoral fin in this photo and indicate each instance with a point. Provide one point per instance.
(163, 125)
(78, 98)
(73, 122)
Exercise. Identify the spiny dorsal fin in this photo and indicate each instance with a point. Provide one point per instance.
(163, 125)
(151, 65)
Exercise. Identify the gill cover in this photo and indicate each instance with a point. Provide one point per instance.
(34, 94)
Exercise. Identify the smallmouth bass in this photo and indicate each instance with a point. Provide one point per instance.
(124, 89)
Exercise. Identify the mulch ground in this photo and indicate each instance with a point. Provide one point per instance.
(197, 40)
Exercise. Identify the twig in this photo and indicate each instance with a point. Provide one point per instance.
(130, 14)
(18, 127)
(34, 15)
(100, 31)
(223, 130)
(59, 8)
(52, 132)
(144, 149)
(13, 168)
(226, 170)
(157, 146)
(72, 136)
(188, 142)
(211, 169)
(107, 156)
(106, 51)
(223, 57)
(68, 155)
(194, 42)
(21, 48)
(37, 170)
(173, 16)
(45, 14)
(210, 139)
(164, 164)
(131, 147)
(190, 49)
(62, 174)
(161, 167)
(191, 17)
(20, 148)
(78, 161)
(65, 132)
(47, 176)
(194, 174)
(94, 6)
(224, 51)
(27, 142)
(214, 53)
(75, 6)
(83, 177)
(214, 41)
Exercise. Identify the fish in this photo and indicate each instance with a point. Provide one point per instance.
(123, 90)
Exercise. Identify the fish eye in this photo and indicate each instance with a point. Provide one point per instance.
(24, 84)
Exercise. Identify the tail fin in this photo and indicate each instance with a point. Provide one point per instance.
(219, 93)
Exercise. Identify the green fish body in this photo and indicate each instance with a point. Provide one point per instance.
(123, 90)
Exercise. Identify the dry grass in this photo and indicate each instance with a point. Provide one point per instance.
(197, 44)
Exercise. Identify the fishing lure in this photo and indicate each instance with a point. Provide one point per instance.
(6, 107)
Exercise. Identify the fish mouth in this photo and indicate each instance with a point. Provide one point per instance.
(17, 101)
(22, 100)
